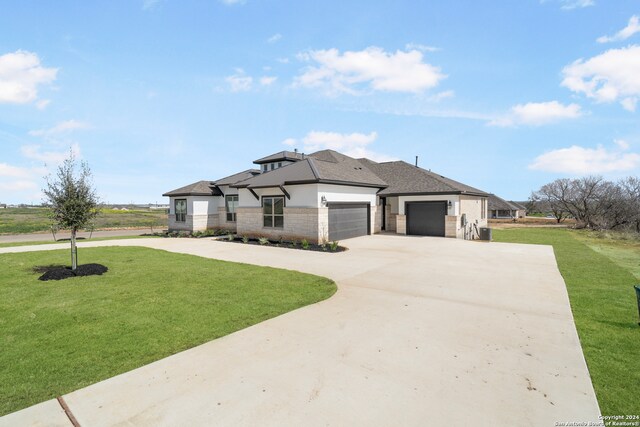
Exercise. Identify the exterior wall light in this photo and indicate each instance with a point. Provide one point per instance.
(449, 205)
(323, 199)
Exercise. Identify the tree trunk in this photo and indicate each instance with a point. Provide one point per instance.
(74, 251)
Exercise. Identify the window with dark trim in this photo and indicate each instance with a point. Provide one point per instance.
(273, 211)
(231, 203)
(273, 166)
(181, 210)
(264, 168)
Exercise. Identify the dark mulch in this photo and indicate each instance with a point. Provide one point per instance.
(287, 244)
(59, 272)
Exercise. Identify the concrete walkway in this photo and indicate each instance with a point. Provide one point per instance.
(422, 331)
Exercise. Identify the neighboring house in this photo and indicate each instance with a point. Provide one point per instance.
(502, 209)
(328, 196)
(521, 209)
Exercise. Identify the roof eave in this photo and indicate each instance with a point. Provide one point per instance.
(435, 193)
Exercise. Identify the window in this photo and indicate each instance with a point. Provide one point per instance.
(181, 210)
(483, 207)
(273, 211)
(264, 168)
(231, 203)
(279, 164)
(273, 166)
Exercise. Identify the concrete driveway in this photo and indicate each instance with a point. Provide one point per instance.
(422, 331)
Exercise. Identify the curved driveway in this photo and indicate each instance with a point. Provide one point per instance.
(422, 331)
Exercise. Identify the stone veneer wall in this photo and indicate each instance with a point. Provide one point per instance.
(390, 218)
(194, 223)
(308, 223)
(401, 224)
(452, 226)
(222, 220)
(376, 215)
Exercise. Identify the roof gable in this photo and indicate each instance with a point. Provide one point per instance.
(293, 156)
(200, 188)
(498, 203)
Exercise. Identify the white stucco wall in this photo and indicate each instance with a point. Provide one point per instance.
(197, 205)
(344, 193)
(310, 195)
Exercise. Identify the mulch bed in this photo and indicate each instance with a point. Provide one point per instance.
(60, 272)
(285, 244)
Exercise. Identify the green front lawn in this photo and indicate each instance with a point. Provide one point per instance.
(56, 337)
(600, 287)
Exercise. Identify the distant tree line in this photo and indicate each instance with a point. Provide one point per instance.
(592, 201)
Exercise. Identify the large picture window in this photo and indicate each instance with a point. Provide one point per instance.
(273, 211)
(231, 203)
(181, 210)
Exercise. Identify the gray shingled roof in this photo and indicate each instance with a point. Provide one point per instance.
(200, 188)
(237, 177)
(518, 205)
(404, 178)
(309, 170)
(281, 155)
(328, 166)
(330, 156)
(497, 203)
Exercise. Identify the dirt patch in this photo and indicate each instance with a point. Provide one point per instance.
(58, 272)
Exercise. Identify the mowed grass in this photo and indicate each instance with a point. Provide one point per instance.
(33, 220)
(605, 311)
(59, 336)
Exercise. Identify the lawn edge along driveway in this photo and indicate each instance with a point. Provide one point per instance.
(59, 336)
(605, 312)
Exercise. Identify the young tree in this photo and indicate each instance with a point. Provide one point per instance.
(72, 199)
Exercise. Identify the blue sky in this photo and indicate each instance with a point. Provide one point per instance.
(502, 95)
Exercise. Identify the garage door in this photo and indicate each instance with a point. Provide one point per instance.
(426, 218)
(348, 220)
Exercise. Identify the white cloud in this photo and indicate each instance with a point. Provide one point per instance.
(283, 60)
(580, 160)
(352, 144)
(629, 104)
(62, 127)
(632, 27)
(350, 71)
(537, 114)
(611, 76)
(274, 38)
(19, 179)
(42, 104)
(20, 185)
(239, 82)
(622, 144)
(573, 4)
(267, 80)
(232, 2)
(442, 95)
(20, 76)
(35, 152)
(6, 170)
(421, 47)
(291, 142)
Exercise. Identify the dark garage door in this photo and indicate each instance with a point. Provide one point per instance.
(426, 218)
(348, 220)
